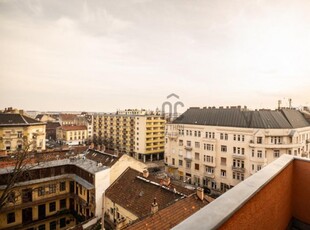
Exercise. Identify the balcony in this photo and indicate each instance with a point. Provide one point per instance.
(238, 156)
(209, 175)
(238, 169)
(188, 148)
(277, 146)
(188, 158)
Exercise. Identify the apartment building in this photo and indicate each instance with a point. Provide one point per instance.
(139, 133)
(17, 129)
(63, 190)
(219, 147)
(72, 134)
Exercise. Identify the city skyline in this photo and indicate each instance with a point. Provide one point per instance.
(108, 55)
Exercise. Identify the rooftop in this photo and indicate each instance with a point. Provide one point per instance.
(169, 217)
(73, 127)
(135, 193)
(236, 117)
(276, 197)
(16, 119)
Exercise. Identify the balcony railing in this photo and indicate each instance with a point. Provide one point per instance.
(189, 148)
(238, 169)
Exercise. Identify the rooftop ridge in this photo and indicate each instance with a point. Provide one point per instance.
(162, 186)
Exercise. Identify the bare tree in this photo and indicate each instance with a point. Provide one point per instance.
(19, 165)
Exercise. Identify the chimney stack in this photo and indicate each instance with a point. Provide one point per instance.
(200, 193)
(146, 173)
(154, 207)
(279, 104)
(103, 148)
(290, 103)
(165, 181)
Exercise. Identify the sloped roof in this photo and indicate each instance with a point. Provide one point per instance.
(73, 127)
(136, 195)
(15, 119)
(235, 117)
(171, 216)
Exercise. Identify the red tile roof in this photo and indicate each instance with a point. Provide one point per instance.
(171, 216)
(73, 127)
(136, 195)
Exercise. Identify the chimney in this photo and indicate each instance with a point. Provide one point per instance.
(145, 173)
(279, 104)
(165, 181)
(200, 193)
(290, 103)
(103, 148)
(154, 207)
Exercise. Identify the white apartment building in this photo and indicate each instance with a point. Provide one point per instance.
(218, 147)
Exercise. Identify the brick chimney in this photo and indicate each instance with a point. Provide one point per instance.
(200, 193)
(154, 206)
(146, 173)
(165, 181)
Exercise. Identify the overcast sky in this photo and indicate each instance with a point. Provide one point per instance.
(108, 55)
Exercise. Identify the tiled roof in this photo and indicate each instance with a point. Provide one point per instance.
(64, 117)
(105, 159)
(235, 117)
(73, 127)
(15, 119)
(136, 195)
(171, 216)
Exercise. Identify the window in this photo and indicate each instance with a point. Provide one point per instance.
(180, 142)
(196, 156)
(188, 143)
(259, 167)
(276, 153)
(62, 222)
(223, 148)
(196, 166)
(53, 225)
(180, 163)
(259, 140)
(207, 158)
(41, 191)
(197, 145)
(221, 136)
(208, 147)
(62, 186)
(235, 137)
(199, 133)
(10, 217)
(209, 170)
(226, 136)
(223, 173)
(188, 165)
(52, 188)
(11, 197)
(253, 152)
(42, 227)
(238, 176)
(63, 204)
(173, 161)
(238, 163)
(52, 207)
(19, 134)
(259, 154)
(223, 161)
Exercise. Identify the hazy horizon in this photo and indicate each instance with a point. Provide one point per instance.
(108, 55)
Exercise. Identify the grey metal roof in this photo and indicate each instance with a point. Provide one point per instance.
(235, 117)
(15, 119)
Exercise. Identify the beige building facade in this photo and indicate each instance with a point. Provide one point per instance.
(72, 134)
(218, 148)
(18, 131)
(137, 132)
